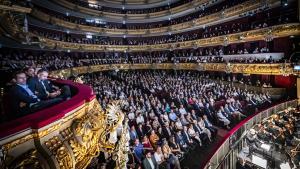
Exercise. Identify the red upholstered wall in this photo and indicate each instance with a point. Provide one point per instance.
(283, 45)
(285, 81)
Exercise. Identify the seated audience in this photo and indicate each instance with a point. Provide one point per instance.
(24, 100)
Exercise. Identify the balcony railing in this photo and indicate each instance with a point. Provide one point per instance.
(40, 119)
(163, 13)
(64, 136)
(234, 11)
(253, 35)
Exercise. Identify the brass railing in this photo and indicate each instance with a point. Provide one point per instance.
(265, 69)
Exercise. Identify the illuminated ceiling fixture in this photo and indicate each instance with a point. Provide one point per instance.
(89, 36)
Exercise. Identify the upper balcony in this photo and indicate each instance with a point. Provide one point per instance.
(247, 36)
(64, 6)
(132, 4)
(211, 19)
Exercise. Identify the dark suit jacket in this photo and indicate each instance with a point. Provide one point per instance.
(37, 88)
(180, 140)
(146, 164)
(165, 132)
(186, 136)
(18, 95)
(140, 132)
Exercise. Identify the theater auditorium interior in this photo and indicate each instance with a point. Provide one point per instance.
(150, 84)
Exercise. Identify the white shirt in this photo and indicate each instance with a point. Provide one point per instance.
(178, 124)
(182, 111)
(158, 157)
(191, 132)
(151, 163)
(140, 119)
(131, 116)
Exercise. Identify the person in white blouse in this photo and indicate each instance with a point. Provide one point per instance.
(182, 110)
(194, 134)
(201, 124)
(223, 119)
(131, 115)
(158, 155)
(140, 119)
(178, 124)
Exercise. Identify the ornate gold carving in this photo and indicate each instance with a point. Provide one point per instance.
(34, 135)
(268, 69)
(230, 12)
(64, 158)
(14, 143)
(77, 143)
(133, 16)
(60, 153)
(122, 148)
(27, 160)
(253, 35)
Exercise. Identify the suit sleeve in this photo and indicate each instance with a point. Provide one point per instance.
(33, 86)
(24, 97)
(50, 86)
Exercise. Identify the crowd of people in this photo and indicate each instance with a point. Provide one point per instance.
(205, 32)
(172, 21)
(30, 91)
(16, 60)
(169, 114)
(130, 11)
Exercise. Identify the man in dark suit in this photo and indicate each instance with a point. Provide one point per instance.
(181, 141)
(149, 162)
(44, 89)
(23, 100)
(167, 132)
(186, 136)
(140, 131)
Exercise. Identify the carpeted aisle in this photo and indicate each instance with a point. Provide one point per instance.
(196, 158)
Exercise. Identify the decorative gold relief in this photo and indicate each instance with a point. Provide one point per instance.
(230, 12)
(253, 35)
(27, 160)
(64, 158)
(122, 148)
(267, 69)
(60, 153)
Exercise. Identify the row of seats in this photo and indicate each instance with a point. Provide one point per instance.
(173, 114)
(170, 21)
(15, 60)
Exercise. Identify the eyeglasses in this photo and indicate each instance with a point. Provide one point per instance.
(24, 77)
